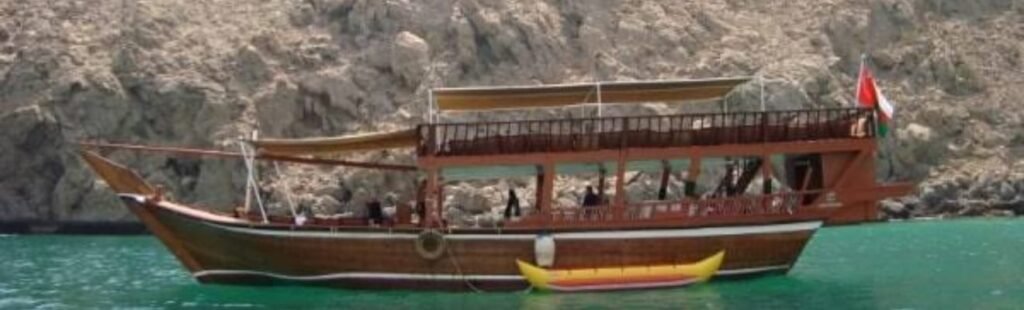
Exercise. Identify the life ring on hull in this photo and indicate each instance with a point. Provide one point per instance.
(430, 244)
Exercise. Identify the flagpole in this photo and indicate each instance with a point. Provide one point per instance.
(860, 78)
(886, 145)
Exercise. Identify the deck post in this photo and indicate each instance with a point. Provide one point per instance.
(602, 175)
(620, 183)
(434, 200)
(547, 187)
(440, 201)
(766, 174)
(539, 192)
(691, 177)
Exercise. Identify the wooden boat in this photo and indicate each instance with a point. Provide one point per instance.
(620, 278)
(818, 169)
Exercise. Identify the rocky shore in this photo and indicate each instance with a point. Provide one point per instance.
(962, 194)
(206, 72)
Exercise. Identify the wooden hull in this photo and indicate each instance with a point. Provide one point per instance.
(218, 250)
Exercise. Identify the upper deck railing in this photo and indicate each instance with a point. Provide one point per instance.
(656, 131)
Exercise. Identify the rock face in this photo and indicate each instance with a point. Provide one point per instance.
(410, 58)
(205, 73)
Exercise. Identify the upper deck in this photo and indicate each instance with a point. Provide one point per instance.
(455, 140)
(656, 131)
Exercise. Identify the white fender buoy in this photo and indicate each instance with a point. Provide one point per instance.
(544, 250)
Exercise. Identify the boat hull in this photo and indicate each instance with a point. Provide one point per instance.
(374, 258)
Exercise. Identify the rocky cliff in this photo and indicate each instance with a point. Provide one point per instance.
(206, 72)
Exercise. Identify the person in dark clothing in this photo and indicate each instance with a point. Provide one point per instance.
(421, 204)
(513, 205)
(375, 212)
(421, 212)
(590, 198)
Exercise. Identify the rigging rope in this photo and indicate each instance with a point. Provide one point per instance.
(458, 269)
(250, 167)
(286, 191)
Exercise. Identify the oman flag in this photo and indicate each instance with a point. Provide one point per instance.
(869, 96)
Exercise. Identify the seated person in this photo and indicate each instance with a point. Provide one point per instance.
(590, 201)
(375, 212)
(302, 215)
(859, 128)
(421, 212)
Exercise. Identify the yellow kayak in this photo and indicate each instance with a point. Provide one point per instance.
(620, 278)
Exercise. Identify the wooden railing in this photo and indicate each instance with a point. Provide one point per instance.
(587, 134)
(731, 207)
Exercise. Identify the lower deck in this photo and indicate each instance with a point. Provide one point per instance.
(217, 250)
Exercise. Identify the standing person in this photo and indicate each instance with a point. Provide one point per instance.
(590, 201)
(512, 207)
(590, 198)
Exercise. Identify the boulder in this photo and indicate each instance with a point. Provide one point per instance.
(893, 209)
(410, 58)
(972, 207)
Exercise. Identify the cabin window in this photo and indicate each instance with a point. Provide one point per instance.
(656, 180)
(572, 180)
(482, 203)
(804, 173)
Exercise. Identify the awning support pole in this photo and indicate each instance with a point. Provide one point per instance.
(760, 78)
(430, 106)
(547, 187)
(620, 184)
(766, 174)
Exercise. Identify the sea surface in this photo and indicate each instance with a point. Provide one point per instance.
(959, 264)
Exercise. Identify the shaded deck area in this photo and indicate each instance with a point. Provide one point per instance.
(611, 133)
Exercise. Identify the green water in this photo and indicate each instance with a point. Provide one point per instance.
(965, 264)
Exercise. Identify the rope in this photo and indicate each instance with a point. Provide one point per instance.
(458, 269)
(287, 193)
(251, 180)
